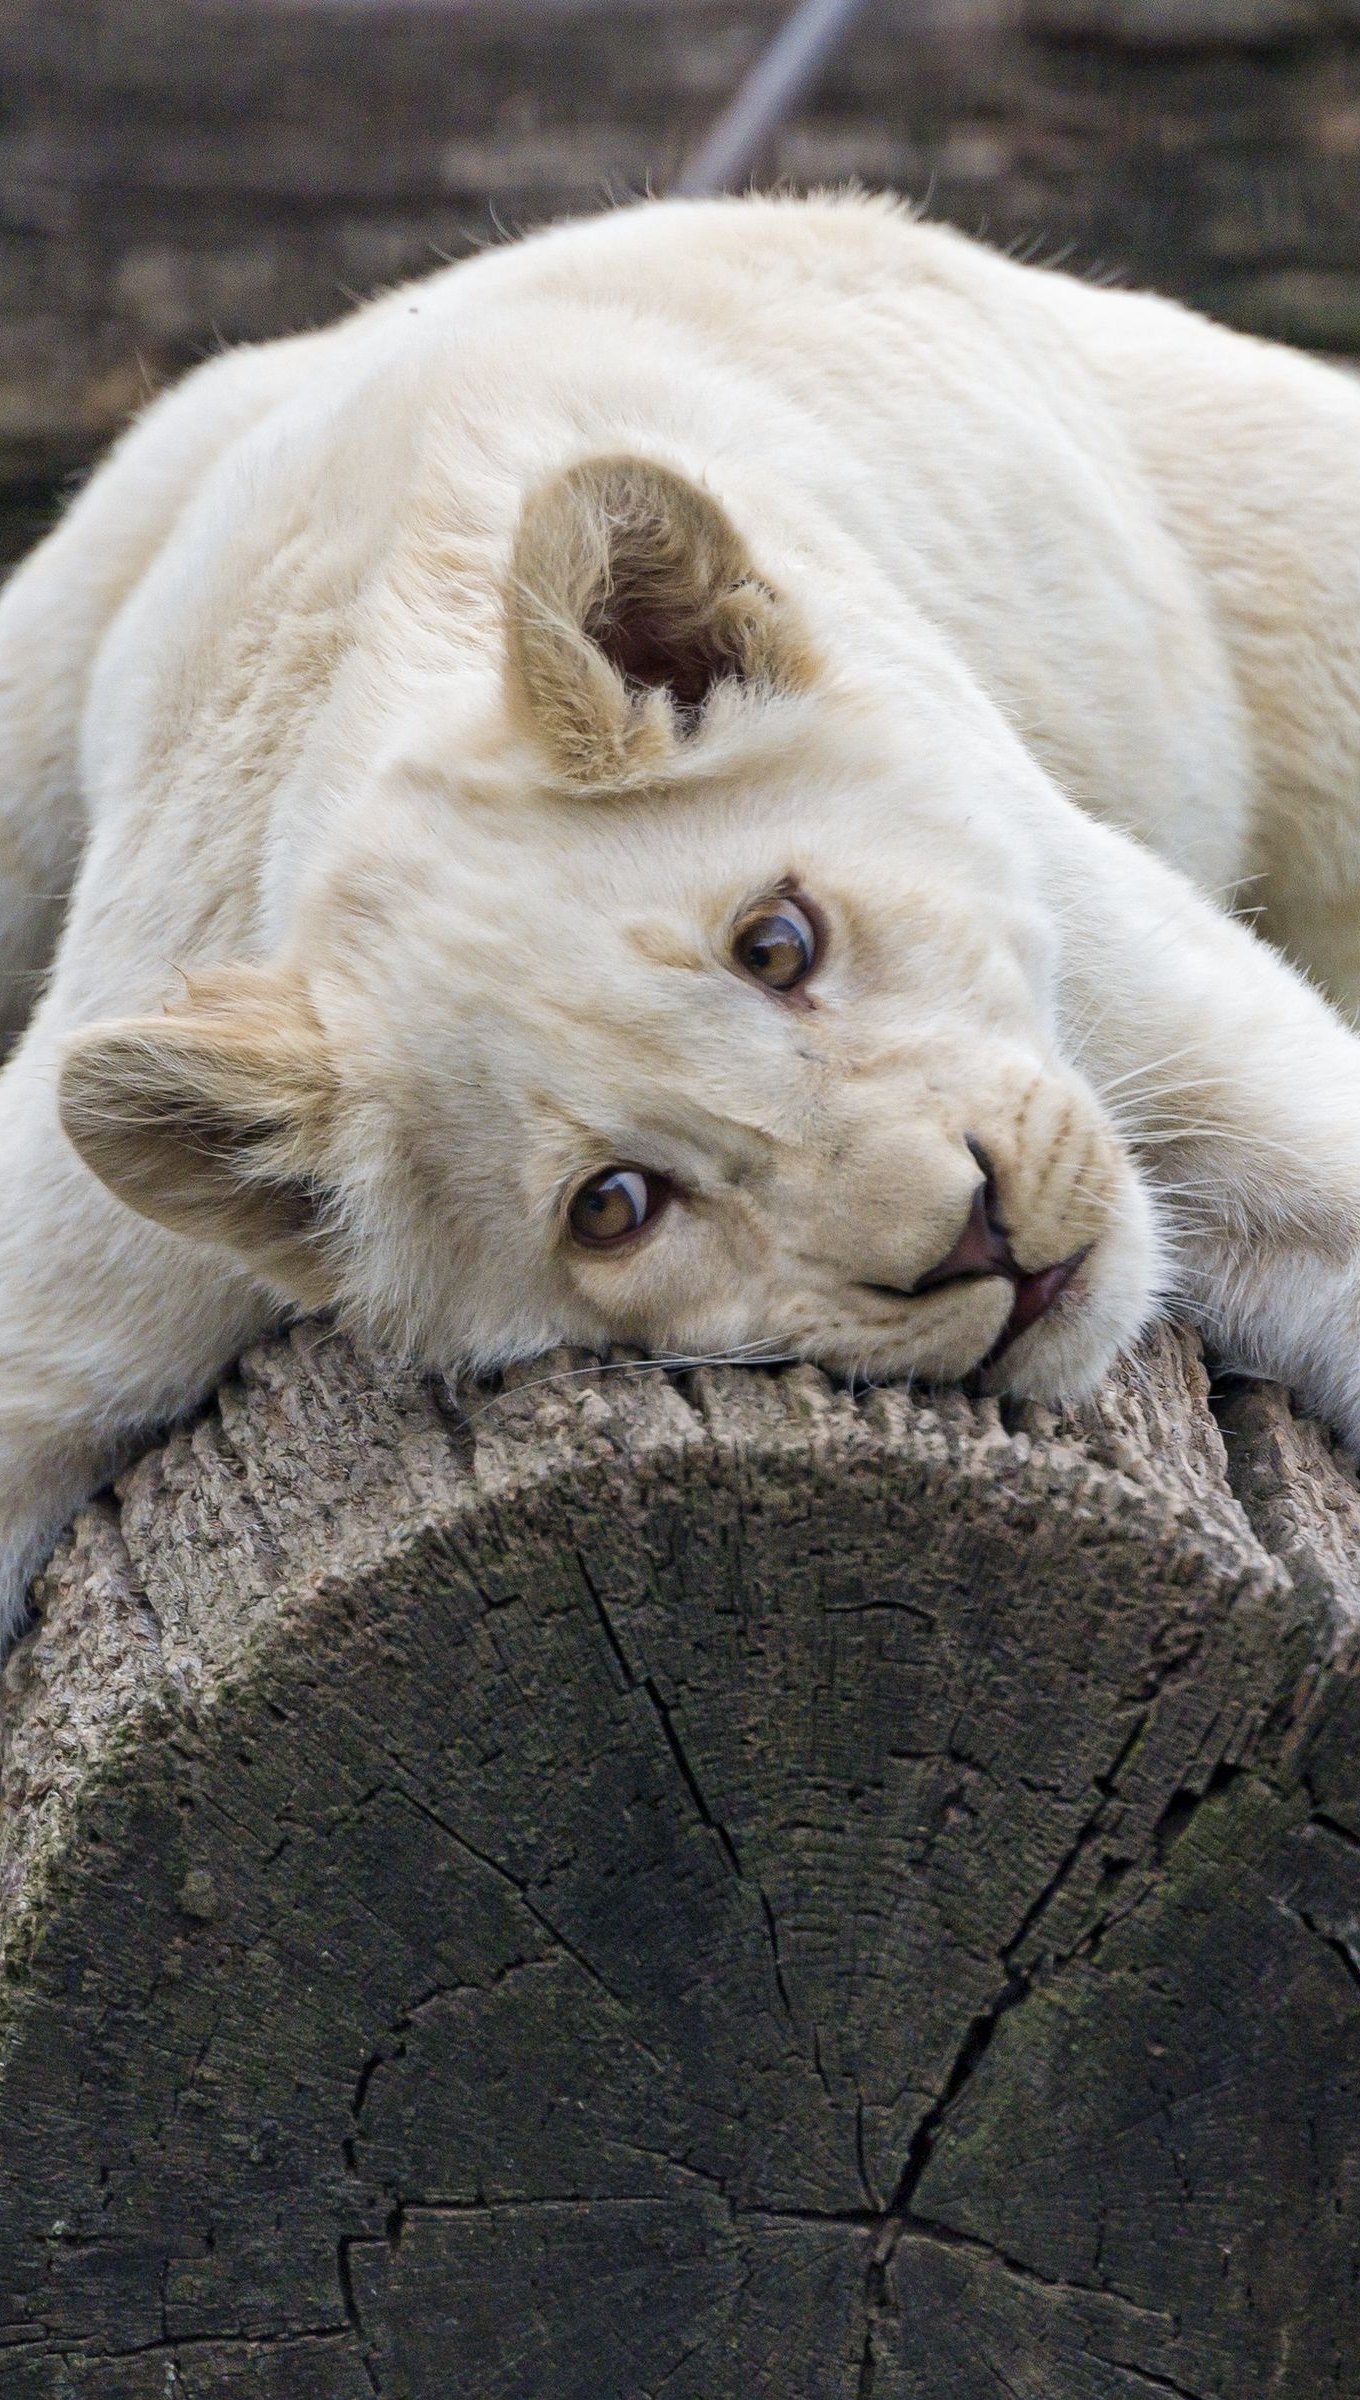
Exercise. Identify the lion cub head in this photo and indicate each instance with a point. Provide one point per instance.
(681, 977)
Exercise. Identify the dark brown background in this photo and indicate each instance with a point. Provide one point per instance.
(179, 173)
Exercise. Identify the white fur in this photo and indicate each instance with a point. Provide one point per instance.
(1052, 642)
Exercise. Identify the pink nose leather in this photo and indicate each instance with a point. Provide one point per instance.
(981, 1249)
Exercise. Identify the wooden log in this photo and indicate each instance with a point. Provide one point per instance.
(708, 1884)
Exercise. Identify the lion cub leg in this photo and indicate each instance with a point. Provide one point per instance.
(1237, 1090)
(46, 643)
(108, 1325)
(1256, 455)
(54, 613)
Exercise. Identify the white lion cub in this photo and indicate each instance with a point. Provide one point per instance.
(674, 784)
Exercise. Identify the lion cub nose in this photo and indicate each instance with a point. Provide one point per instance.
(982, 1248)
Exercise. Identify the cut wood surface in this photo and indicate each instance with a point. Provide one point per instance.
(709, 1885)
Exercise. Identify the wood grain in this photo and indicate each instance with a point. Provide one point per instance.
(625, 1883)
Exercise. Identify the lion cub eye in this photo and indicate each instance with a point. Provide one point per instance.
(778, 946)
(615, 1204)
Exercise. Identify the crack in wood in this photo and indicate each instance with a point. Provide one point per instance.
(228, 2338)
(353, 2315)
(1151, 2382)
(1330, 1941)
(901, 2217)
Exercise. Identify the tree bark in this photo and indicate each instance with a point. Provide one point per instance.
(706, 1884)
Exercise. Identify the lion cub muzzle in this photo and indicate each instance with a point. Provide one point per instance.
(983, 1250)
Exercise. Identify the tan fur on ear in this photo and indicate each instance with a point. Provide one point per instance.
(631, 596)
(213, 1121)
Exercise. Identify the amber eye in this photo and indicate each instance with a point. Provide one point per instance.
(615, 1204)
(778, 946)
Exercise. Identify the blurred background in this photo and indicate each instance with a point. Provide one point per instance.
(179, 174)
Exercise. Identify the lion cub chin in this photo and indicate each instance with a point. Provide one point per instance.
(568, 788)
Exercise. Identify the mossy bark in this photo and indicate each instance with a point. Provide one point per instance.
(710, 1885)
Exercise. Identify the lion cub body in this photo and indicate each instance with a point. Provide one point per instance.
(411, 711)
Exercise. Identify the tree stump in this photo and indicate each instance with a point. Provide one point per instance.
(711, 1885)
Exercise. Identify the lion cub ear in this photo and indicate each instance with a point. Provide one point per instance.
(214, 1122)
(631, 596)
